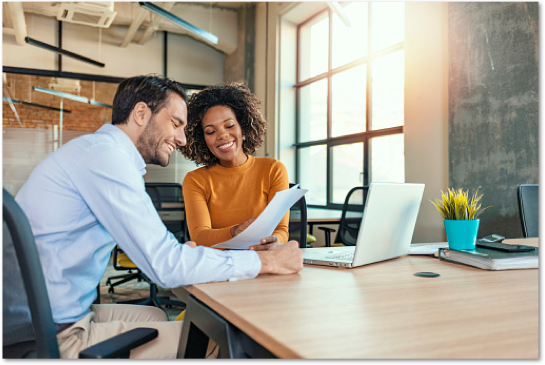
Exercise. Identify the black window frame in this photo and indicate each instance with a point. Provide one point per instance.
(330, 142)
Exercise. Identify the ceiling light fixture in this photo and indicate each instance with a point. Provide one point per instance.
(182, 23)
(64, 52)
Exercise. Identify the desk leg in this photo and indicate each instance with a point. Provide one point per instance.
(202, 324)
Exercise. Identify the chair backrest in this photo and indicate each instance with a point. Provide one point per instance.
(165, 195)
(298, 222)
(43, 343)
(351, 216)
(168, 199)
(528, 199)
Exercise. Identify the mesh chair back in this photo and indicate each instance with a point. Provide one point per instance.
(298, 222)
(38, 338)
(528, 199)
(351, 216)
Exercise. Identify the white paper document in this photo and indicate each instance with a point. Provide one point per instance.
(267, 221)
(427, 249)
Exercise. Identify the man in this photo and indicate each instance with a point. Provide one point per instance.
(89, 195)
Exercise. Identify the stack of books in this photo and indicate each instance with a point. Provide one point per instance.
(488, 259)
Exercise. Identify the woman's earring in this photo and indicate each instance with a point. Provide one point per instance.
(243, 138)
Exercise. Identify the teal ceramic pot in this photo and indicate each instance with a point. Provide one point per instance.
(462, 234)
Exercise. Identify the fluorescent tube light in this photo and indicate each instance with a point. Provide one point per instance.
(14, 101)
(93, 102)
(81, 99)
(182, 23)
(49, 47)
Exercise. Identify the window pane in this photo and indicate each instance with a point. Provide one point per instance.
(388, 24)
(314, 43)
(388, 159)
(347, 169)
(350, 43)
(313, 172)
(349, 101)
(313, 111)
(388, 88)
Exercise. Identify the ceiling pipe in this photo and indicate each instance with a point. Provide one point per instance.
(134, 27)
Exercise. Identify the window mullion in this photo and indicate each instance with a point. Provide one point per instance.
(368, 99)
(329, 177)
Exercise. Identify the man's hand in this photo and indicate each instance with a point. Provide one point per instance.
(281, 258)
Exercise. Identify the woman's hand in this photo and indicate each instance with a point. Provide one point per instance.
(266, 243)
(236, 230)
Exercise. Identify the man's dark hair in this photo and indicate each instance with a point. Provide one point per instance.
(152, 90)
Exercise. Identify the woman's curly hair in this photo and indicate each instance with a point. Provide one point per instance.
(244, 104)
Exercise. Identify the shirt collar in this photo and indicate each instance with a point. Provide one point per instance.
(123, 140)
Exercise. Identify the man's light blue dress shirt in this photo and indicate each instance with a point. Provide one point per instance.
(88, 196)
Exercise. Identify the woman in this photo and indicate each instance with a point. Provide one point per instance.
(224, 197)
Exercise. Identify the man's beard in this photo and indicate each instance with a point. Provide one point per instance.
(148, 145)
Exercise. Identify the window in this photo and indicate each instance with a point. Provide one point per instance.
(350, 100)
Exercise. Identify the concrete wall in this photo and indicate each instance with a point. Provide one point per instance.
(494, 106)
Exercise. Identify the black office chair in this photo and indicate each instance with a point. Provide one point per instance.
(298, 222)
(351, 216)
(528, 199)
(28, 328)
(167, 199)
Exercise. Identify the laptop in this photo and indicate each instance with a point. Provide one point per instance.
(385, 232)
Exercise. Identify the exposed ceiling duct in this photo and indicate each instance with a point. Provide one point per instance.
(141, 26)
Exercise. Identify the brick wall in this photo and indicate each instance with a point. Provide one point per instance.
(82, 117)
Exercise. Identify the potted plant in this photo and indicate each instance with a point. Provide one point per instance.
(460, 217)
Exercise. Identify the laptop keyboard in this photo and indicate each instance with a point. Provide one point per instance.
(341, 256)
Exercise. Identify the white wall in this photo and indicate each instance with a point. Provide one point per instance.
(426, 109)
(426, 97)
(189, 61)
(193, 62)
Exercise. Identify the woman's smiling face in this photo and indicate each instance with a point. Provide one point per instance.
(223, 136)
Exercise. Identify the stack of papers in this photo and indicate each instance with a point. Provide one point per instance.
(267, 221)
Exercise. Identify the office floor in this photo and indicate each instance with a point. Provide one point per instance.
(132, 290)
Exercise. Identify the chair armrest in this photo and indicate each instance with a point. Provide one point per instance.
(121, 345)
(327, 234)
(327, 230)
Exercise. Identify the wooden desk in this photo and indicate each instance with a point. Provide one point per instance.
(383, 311)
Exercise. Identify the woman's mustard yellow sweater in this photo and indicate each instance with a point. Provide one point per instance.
(218, 198)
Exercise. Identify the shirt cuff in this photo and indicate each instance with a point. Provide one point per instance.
(246, 265)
